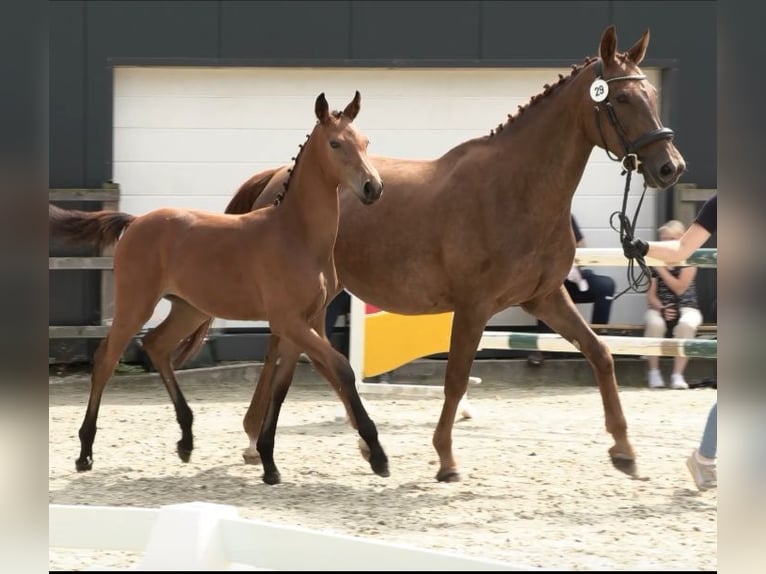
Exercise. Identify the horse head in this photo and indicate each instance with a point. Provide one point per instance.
(345, 149)
(627, 122)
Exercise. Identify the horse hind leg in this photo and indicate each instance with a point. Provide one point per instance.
(560, 313)
(159, 344)
(124, 328)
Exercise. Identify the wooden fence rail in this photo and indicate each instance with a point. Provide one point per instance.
(109, 197)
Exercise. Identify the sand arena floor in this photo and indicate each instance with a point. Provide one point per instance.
(537, 487)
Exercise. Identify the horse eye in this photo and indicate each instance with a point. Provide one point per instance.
(622, 98)
(335, 144)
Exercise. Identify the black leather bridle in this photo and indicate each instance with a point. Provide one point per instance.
(630, 162)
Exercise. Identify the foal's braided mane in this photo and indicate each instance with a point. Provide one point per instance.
(547, 90)
(281, 195)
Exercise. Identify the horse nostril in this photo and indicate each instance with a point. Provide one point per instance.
(371, 189)
(667, 170)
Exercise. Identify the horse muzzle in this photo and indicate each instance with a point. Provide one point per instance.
(661, 175)
(371, 191)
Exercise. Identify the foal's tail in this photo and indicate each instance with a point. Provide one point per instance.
(99, 228)
(242, 202)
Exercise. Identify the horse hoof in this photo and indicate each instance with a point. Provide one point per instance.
(184, 452)
(381, 469)
(83, 464)
(626, 465)
(448, 476)
(272, 477)
(251, 457)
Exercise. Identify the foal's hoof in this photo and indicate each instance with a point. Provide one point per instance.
(381, 468)
(450, 475)
(184, 453)
(272, 477)
(83, 464)
(625, 464)
(251, 457)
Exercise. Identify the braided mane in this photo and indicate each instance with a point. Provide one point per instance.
(281, 195)
(547, 90)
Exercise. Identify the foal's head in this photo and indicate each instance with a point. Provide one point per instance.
(627, 120)
(345, 149)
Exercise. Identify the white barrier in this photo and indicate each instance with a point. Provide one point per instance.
(205, 536)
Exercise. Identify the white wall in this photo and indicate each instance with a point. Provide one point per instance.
(190, 136)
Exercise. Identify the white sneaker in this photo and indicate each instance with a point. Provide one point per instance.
(705, 474)
(655, 379)
(677, 381)
(474, 380)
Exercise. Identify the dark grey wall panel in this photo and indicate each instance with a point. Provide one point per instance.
(67, 94)
(286, 30)
(543, 30)
(686, 32)
(416, 30)
(87, 38)
(136, 30)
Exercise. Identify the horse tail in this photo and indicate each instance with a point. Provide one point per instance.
(99, 228)
(190, 346)
(243, 200)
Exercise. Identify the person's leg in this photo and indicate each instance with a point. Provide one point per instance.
(536, 358)
(709, 444)
(600, 290)
(689, 321)
(701, 463)
(655, 327)
(340, 305)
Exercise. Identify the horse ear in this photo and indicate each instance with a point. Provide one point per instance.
(638, 50)
(608, 47)
(353, 108)
(322, 108)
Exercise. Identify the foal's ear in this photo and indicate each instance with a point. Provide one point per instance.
(353, 108)
(638, 50)
(322, 108)
(608, 47)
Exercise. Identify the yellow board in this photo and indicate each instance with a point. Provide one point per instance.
(392, 340)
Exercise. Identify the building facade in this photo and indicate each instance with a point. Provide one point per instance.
(180, 102)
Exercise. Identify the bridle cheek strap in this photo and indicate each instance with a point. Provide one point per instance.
(630, 160)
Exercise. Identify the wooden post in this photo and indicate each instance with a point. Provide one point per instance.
(107, 275)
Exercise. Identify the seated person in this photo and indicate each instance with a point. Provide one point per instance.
(583, 286)
(673, 309)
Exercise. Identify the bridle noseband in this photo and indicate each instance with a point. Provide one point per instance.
(630, 162)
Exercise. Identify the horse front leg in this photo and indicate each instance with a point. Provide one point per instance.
(285, 357)
(467, 328)
(335, 367)
(560, 313)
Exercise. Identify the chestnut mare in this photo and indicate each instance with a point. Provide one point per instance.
(487, 226)
(274, 263)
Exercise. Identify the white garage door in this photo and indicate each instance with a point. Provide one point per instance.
(189, 137)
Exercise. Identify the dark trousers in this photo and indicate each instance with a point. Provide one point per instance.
(600, 287)
(341, 305)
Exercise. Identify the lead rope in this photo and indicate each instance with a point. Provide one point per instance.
(640, 283)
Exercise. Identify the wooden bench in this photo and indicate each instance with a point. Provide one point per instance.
(706, 330)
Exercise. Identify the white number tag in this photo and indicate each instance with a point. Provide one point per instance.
(599, 90)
